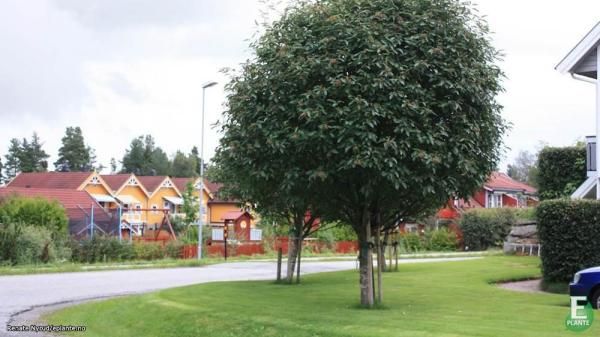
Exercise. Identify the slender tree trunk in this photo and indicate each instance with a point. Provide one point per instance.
(380, 262)
(385, 245)
(390, 251)
(299, 245)
(365, 262)
(292, 257)
(396, 245)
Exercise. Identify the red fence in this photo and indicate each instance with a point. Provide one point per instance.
(339, 247)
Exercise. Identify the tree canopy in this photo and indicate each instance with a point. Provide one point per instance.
(74, 155)
(374, 111)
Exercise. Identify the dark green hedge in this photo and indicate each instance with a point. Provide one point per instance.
(560, 171)
(487, 227)
(568, 231)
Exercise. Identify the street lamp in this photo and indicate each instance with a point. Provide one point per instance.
(200, 213)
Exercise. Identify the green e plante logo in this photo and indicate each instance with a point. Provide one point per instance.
(581, 317)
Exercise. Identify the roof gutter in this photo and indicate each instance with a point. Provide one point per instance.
(583, 78)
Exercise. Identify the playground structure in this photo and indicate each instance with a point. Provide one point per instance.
(126, 223)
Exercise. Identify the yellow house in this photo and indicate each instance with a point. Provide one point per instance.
(132, 196)
(90, 182)
(163, 196)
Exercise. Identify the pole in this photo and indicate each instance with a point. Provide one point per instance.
(120, 224)
(201, 198)
(92, 223)
(279, 257)
(201, 213)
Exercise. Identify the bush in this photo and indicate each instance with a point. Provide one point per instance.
(28, 245)
(34, 211)
(561, 171)
(485, 228)
(412, 242)
(148, 251)
(568, 231)
(441, 240)
(101, 249)
(174, 249)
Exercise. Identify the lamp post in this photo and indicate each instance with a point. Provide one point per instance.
(201, 199)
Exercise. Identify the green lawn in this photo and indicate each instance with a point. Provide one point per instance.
(428, 299)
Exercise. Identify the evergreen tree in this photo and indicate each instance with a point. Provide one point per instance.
(113, 165)
(144, 158)
(74, 155)
(34, 158)
(134, 160)
(196, 156)
(183, 166)
(13, 159)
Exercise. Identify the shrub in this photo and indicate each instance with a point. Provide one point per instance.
(441, 240)
(34, 211)
(561, 171)
(174, 249)
(101, 249)
(412, 242)
(485, 228)
(568, 231)
(27, 245)
(148, 251)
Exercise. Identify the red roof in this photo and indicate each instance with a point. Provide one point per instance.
(501, 181)
(151, 183)
(234, 215)
(72, 200)
(181, 183)
(60, 180)
(115, 181)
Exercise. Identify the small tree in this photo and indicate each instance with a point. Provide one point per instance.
(13, 163)
(74, 155)
(367, 111)
(190, 204)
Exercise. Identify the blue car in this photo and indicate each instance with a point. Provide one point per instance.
(587, 283)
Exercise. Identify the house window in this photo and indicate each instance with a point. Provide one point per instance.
(132, 182)
(154, 209)
(138, 208)
(494, 200)
(95, 181)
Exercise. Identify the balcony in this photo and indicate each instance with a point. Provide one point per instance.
(590, 155)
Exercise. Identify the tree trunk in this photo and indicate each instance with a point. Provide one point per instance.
(385, 246)
(292, 257)
(365, 262)
(299, 245)
(380, 261)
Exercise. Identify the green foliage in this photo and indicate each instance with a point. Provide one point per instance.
(485, 228)
(561, 171)
(568, 231)
(333, 232)
(524, 168)
(174, 249)
(101, 249)
(74, 155)
(148, 251)
(441, 240)
(12, 165)
(29, 245)
(184, 165)
(38, 212)
(31, 156)
(190, 204)
(412, 242)
(144, 158)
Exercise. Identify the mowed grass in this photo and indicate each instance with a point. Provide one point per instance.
(425, 299)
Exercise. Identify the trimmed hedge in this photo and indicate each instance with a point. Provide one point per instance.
(568, 231)
(488, 227)
(560, 171)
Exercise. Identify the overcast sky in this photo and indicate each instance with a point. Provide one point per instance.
(123, 68)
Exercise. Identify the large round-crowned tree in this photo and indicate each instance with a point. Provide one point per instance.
(377, 110)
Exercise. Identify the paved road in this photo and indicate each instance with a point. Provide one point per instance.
(24, 292)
